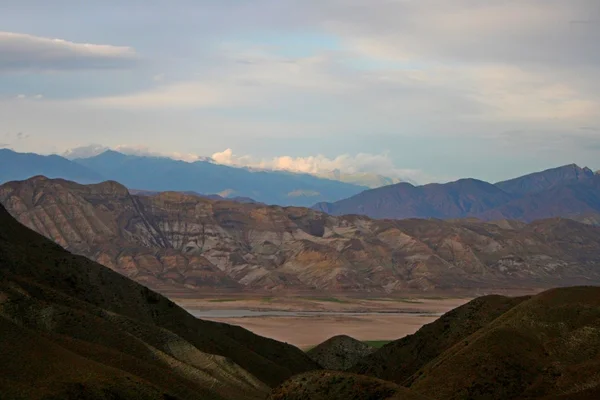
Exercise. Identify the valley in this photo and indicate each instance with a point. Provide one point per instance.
(299, 200)
(307, 321)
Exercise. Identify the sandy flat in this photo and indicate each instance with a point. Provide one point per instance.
(307, 331)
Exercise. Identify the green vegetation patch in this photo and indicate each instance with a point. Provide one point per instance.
(326, 299)
(223, 300)
(376, 343)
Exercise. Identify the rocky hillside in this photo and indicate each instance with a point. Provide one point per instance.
(568, 191)
(541, 347)
(73, 329)
(339, 353)
(173, 241)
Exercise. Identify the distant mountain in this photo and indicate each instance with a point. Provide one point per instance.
(568, 191)
(18, 166)
(177, 243)
(362, 178)
(540, 181)
(574, 199)
(165, 174)
(73, 329)
(403, 200)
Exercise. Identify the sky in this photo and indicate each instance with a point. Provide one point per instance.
(430, 90)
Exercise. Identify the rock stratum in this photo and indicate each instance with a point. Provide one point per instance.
(173, 241)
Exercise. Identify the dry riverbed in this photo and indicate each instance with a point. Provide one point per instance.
(307, 321)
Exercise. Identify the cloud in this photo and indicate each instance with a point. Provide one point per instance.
(26, 97)
(362, 163)
(20, 51)
(516, 32)
(137, 150)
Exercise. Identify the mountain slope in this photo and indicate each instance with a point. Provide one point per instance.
(340, 352)
(271, 187)
(399, 360)
(570, 200)
(545, 347)
(18, 166)
(173, 242)
(74, 329)
(330, 385)
(542, 347)
(540, 181)
(452, 200)
(568, 191)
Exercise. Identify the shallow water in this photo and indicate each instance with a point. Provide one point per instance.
(256, 313)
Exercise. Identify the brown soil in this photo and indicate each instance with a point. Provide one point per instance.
(308, 331)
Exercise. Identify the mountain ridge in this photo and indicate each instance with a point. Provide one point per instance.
(273, 187)
(568, 191)
(177, 242)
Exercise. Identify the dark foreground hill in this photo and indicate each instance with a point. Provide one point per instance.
(401, 359)
(73, 329)
(340, 352)
(541, 347)
(331, 385)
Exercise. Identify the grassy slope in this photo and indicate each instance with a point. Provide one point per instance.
(330, 385)
(400, 359)
(112, 325)
(546, 346)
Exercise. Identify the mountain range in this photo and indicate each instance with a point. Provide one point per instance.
(73, 329)
(176, 242)
(568, 191)
(160, 174)
(18, 166)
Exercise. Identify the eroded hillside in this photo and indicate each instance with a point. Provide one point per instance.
(172, 240)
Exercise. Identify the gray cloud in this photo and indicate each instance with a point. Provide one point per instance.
(27, 52)
(227, 74)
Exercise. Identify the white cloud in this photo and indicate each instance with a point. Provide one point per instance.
(20, 51)
(26, 97)
(137, 150)
(365, 166)
(359, 164)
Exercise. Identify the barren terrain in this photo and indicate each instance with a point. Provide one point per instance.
(364, 319)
